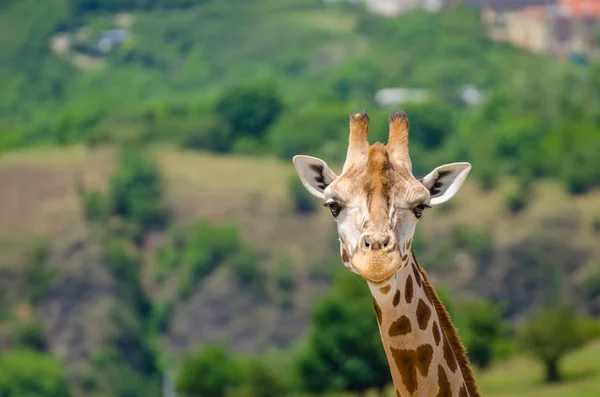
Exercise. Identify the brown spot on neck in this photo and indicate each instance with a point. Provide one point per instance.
(423, 314)
(377, 312)
(396, 299)
(386, 289)
(449, 355)
(409, 361)
(400, 327)
(445, 390)
(436, 333)
(408, 289)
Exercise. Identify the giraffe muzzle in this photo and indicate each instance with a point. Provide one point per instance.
(376, 266)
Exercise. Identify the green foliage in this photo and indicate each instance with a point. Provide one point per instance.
(552, 332)
(31, 374)
(195, 251)
(596, 224)
(208, 246)
(30, 335)
(136, 192)
(430, 123)
(483, 328)
(590, 285)
(476, 241)
(303, 202)
(124, 264)
(259, 380)
(212, 133)
(219, 373)
(284, 280)
(86, 6)
(38, 275)
(250, 110)
(120, 377)
(317, 128)
(94, 206)
(343, 350)
(245, 262)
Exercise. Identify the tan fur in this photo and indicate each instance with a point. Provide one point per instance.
(459, 350)
(358, 144)
(398, 139)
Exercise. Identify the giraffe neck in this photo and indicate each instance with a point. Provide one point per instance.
(421, 345)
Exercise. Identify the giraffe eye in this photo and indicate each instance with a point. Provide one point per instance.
(335, 208)
(418, 210)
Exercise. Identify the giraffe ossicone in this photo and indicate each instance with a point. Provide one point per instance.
(377, 202)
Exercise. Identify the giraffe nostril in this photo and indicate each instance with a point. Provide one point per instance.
(386, 241)
(366, 242)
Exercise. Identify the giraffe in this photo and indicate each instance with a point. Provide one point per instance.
(377, 202)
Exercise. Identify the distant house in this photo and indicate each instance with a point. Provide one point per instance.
(470, 95)
(112, 39)
(386, 97)
(398, 96)
(561, 28)
(399, 7)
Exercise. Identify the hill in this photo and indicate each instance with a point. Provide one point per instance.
(475, 246)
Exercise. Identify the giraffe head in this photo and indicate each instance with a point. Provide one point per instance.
(376, 201)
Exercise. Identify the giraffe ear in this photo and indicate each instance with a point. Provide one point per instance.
(314, 173)
(444, 181)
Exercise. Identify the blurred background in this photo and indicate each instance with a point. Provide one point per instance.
(156, 241)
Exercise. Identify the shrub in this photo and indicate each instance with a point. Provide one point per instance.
(476, 241)
(483, 327)
(94, 206)
(284, 280)
(343, 351)
(209, 245)
(38, 275)
(591, 284)
(124, 264)
(32, 374)
(246, 264)
(515, 202)
(212, 134)
(219, 373)
(30, 335)
(552, 332)
(259, 380)
(136, 191)
(250, 110)
(596, 224)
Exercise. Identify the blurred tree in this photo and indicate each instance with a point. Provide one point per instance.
(310, 130)
(482, 327)
(430, 123)
(136, 191)
(213, 134)
(27, 373)
(343, 350)
(250, 110)
(259, 380)
(210, 372)
(552, 332)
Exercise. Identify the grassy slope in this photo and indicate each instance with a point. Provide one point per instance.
(521, 377)
(39, 187)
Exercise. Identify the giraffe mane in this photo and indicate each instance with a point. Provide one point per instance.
(460, 352)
